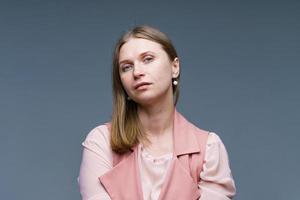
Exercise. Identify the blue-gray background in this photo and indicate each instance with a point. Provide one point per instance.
(240, 79)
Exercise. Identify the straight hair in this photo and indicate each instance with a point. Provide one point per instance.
(126, 129)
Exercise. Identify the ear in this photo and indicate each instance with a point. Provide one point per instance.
(175, 68)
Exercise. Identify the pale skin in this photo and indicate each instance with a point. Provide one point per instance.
(146, 73)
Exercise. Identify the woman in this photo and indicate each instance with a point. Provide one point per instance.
(149, 150)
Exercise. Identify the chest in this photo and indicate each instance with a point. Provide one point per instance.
(153, 171)
(159, 146)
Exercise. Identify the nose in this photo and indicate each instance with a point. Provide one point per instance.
(138, 71)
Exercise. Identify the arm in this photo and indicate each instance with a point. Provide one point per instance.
(96, 160)
(216, 180)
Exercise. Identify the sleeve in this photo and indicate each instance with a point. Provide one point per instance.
(216, 179)
(96, 160)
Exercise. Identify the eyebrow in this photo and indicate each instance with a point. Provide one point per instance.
(141, 55)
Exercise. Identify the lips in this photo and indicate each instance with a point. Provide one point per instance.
(137, 86)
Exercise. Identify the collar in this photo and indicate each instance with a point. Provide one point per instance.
(184, 138)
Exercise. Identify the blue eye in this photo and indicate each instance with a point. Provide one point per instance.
(148, 59)
(126, 67)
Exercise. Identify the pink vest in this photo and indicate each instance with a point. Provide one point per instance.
(122, 182)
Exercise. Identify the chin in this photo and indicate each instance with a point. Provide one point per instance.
(144, 101)
(148, 98)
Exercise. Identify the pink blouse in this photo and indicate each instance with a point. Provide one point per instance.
(216, 179)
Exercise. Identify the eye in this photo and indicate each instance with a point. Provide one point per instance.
(126, 67)
(147, 59)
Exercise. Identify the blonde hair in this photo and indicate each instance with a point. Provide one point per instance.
(126, 129)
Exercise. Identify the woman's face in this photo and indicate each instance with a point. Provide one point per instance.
(146, 71)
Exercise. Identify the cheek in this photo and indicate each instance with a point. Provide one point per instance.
(125, 82)
(164, 73)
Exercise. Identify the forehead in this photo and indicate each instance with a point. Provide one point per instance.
(135, 46)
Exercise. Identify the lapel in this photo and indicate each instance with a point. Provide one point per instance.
(123, 181)
(178, 183)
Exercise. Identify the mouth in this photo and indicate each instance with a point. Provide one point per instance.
(141, 85)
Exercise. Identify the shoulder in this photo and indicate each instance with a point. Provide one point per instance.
(202, 133)
(98, 138)
(215, 148)
(214, 139)
(208, 138)
(98, 132)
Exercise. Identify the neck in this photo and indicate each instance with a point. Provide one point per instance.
(157, 120)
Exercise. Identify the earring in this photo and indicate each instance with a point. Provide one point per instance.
(175, 82)
(128, 98)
